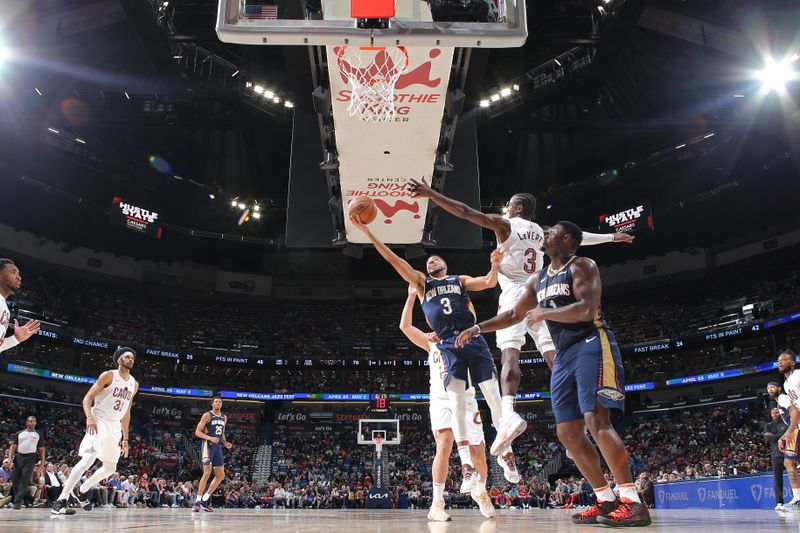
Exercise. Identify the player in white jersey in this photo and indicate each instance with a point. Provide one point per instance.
(522, 241)
(10, 282)
(788, 442)
(784, 404)
(107, 407)
(442, 425)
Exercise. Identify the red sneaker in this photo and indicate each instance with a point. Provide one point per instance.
(627, 514)
(589, 516)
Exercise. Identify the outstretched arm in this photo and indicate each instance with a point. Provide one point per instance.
(587, 291)
(406, 271)
(21, 334)
(590, 239)
(496, 223)
(489, 280)
(413, 333)
(526, 302)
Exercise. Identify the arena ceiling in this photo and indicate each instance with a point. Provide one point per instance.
(585, 137)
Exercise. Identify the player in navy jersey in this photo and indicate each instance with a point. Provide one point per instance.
(449, 311)
(211, 429)
(586, 382)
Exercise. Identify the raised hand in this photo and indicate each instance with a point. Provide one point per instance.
(622, 237)
(419, 188)
(23, 333)
(355, 221)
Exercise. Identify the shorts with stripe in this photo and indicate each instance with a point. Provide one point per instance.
(791, 446)
(211, 454)
(588, 371)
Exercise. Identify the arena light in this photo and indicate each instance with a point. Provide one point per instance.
(53, 130)
(269, 94)
(288, 104)
(515, 87)
(256, 208)
(126, 95)
(258, 89)
(79, 140)
(256, 215)
(277, 100)
(235, 74)
(4, 54)
(233, 203)
(240, 206)
(708, 136)
(776, 74)
(484, 103)
(680, 146)
(495, 97)
(211, 196)
(37, 91)
(505, 91)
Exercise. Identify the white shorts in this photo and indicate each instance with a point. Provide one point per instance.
(442, 418)
(105, 443)
(514, 336)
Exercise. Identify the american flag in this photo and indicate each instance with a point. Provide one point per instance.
(261, 12)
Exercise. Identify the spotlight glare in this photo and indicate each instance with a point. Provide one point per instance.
(557, 62)
(484, 103)
(37, 91)
(258, 89)
(53, 130)
(738, 96)
(256, 215)
(127, 95)
(495, 97)
(680, 146)
(79, 140)
(505, 91)
(211, 196)
(233, 203)
(241, 206)
(248, 84)
(234, 74)
(276, 100)
(707, 136)
(256, 208)
(4, 53)
(515, 87)
(288, 104)
(775, 74)
(269, 94)
(549, 206)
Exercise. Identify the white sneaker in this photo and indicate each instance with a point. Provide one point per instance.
(470, 478)
(510, 428)
(792, 507)
(484, 504)
(437, 514)
(779, 507)
(508, 462)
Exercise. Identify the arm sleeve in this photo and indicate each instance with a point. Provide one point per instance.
(590, 239)
(8, 343)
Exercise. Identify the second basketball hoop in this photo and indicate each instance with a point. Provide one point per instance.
(373, 72)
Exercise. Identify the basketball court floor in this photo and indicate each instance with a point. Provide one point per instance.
(401, 521)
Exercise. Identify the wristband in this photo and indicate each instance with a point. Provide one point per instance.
(479, 329)
(90, 417)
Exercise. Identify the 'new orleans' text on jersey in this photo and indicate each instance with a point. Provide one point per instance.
(447, 306)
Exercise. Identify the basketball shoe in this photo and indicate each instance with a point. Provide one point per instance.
(85, 504)
(471, 477)
(627, 514)
(511, 427)
(437, 514)
(484, 503)
(61, 507)
(589, 516)
(508, 462)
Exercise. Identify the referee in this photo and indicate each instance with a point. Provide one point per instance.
(772, 433)
(27, 443)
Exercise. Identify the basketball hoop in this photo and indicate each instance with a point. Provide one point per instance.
(372, 72)
(378, 444)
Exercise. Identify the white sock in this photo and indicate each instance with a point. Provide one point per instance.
(628, 490)
(605, 494)
(508, 405)
(480, 486)
(198, 498)
(463, 454)
(438, 492)
(206, 496)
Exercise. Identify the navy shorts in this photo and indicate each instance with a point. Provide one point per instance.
(472, 363)
(589, 371)
(791, 452)
(212, 454)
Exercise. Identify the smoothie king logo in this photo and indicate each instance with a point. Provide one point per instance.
(389, 195)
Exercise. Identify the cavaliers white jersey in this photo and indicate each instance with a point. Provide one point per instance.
(792, 387)
(5, 318)
(524, 252)
(113, 401)
(438, 369)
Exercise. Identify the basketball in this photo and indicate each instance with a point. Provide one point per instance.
(362, 207)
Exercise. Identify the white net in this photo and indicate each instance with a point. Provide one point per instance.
(372, 72)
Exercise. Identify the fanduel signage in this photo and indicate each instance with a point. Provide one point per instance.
(377, 160)
(747, 492)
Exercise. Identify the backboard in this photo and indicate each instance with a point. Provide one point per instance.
(368, 429)
(448, 23)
